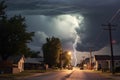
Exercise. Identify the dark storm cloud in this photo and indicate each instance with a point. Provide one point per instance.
(95, 13)
(96, 36)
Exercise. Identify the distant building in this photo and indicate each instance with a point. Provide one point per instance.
(14, 64)
(88, 63)
(104, 62)
(33, 63)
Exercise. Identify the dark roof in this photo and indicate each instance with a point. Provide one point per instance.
(15, 59)
(116, 57)
(87, 59)
(102, 57)
(106, 57)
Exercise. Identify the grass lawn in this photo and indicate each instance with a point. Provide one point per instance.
(23, 74)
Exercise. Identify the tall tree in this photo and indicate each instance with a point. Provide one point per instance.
(66, 57)
(52, 50)
(13, 34)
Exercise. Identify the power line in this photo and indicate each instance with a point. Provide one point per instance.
(113, 17)
(110, 29)
(110, 21)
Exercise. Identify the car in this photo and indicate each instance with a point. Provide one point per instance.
(70, 67)
(81, 68)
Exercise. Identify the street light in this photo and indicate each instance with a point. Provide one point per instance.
(69, 53)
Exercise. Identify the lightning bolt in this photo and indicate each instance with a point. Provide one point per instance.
(74, 49)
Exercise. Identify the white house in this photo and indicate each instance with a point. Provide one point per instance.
(18, 64)
(14, 64)
(104, 62)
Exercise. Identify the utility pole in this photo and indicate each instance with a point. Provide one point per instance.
(61, 61)
(111, 46)
(83, 61)
(90, 58)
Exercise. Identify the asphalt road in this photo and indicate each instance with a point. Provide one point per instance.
(75, 74)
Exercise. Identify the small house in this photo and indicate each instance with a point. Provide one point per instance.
(33, 63)
(104, 62)
(13, 64)
(101, 61)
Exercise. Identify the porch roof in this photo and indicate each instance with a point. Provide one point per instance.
(102, 57)
(106, 57)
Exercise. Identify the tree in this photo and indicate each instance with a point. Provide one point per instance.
(51, 51)
(66, 58)
(13, 35)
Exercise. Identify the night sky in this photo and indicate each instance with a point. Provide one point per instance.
(70, 20)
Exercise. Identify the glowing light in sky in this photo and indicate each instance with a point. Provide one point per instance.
(66, 26)
(62, 26)
(73, 22)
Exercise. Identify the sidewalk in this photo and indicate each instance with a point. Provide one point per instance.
(116, 76)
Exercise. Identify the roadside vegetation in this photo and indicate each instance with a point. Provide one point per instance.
(25, 73)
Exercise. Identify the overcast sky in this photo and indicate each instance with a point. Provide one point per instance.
(70, 20)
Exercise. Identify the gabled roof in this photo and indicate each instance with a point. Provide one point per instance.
(15, 59)
(106, 57)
